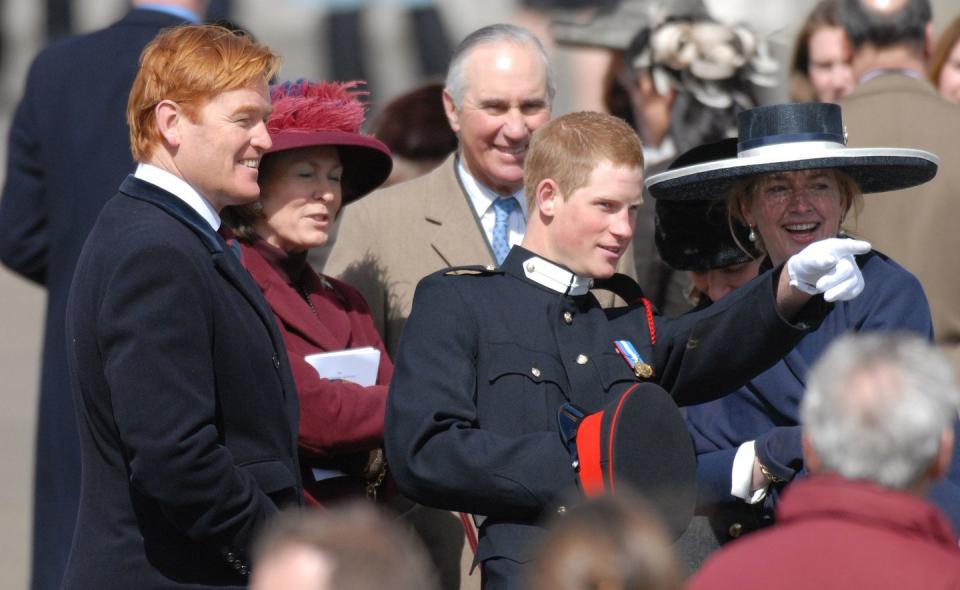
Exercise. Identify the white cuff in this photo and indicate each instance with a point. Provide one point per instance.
(741, 476)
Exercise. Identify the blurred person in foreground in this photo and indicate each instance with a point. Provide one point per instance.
(56, 184)
(820, 67)
(894, 104)
(791, 192)
(187, 407)
(348, 547)
(491, 355)
(878, 419)
(944, 69)
(614, 542)
(469, 210)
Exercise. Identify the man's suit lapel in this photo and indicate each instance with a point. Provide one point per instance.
(223, 259)
(451, 226)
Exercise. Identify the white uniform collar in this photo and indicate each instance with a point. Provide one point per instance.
(181, 189)
(554, 277)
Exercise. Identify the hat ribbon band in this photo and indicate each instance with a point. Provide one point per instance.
(792, 151)
(749, 144)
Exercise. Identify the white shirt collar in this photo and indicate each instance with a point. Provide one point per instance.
(179, 188)
(554, 277)
(482, 197)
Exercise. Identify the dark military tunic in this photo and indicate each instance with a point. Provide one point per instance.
(487, 358)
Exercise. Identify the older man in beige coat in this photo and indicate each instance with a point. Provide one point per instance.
(498, 92)
(893, 104)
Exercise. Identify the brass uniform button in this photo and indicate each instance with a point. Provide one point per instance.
(582, 359)
(735, 530)
(535, 372)
(561, 510)
(693, 343)
(567, 318)
(530, 267)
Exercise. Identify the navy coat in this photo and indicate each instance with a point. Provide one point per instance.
(892, 299)
(187, 408)
(69, 150)
(488, 357)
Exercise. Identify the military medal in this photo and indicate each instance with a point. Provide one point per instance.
(629, 353)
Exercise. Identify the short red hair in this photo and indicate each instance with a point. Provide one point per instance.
(190, 65)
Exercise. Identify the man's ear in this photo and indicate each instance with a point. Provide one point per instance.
(941, 465)
(810, 459)
(450, 109)
(169, 116)
(547, 196)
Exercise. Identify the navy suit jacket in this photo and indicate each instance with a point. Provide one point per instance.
(187, 408)
(69, 151)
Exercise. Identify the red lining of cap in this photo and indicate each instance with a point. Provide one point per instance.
(613, 428)
(588, 450)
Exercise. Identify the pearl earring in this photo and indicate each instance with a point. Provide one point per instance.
(753, 235)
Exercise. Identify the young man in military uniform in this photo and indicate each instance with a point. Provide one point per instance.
(490, 355)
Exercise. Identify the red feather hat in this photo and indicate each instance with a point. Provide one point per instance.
(308, 114)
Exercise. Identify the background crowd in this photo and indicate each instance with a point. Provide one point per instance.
(626, 71)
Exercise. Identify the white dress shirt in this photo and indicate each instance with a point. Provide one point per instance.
(482, 198)
(179, 188)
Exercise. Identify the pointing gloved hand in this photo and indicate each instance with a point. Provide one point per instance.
(828, 267)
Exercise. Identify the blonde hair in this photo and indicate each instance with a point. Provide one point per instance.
(190, 65)
(568, 148)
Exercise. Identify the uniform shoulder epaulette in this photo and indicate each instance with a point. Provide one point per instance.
(471, 270)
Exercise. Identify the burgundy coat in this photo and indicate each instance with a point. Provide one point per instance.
(836, 533)
(340, 422)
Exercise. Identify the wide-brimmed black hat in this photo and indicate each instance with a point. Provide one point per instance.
(696, 234)
(799, 136)
(639, 440)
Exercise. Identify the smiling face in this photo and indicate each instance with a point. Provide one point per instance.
(831, 74)
(949, 81)
(505, 100)
(589, 230)
(218, 153)
(301, 197)
(793, 209)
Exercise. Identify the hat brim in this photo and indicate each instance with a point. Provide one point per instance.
(367, 161)
(873, 169)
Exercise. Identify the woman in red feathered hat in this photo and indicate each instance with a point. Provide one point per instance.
(319, 161)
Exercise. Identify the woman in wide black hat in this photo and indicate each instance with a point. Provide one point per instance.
(319, 161)
(791, 182)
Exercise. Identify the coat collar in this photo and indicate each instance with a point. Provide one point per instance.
(832, 497)
(452, 227)
(288, 304)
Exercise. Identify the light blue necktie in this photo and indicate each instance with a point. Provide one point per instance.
(502, 206)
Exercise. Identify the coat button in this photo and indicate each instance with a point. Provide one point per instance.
(530, 267)
(692, 343)
(535, 372)
(276, 361)
(582, 359)
(561, 510)
(735, 530)
(567, 318)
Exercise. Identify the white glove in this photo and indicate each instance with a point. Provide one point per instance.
(828, 267)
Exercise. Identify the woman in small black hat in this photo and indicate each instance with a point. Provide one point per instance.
(319, 161)
(791, 182)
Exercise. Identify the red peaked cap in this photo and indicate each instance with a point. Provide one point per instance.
(308, 114)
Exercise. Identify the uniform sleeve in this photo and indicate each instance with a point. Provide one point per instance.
(706, 354)
(439, 455)
(24, 239)
(155, 335)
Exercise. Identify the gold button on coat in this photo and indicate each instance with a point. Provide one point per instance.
(535, 372)
(735, 530)
(582, 359)
(567, 318)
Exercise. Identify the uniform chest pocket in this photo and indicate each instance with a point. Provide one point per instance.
(614, 369)
(520, 389)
